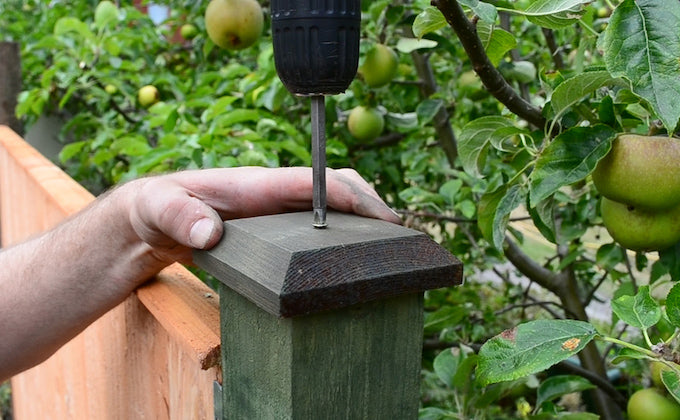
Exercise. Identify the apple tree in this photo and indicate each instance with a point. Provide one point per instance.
(571, 80)
(139, 98)
(482, 122)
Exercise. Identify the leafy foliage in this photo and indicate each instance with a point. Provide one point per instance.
(531, 348)
(498, 114)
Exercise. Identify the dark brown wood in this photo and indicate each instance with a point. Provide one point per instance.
(288, 268)
(10, 84)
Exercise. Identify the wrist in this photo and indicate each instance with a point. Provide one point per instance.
(136, 260)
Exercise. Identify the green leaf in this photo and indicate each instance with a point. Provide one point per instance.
(670, 259)
(427, 109)
(530, 348)
(407, 120)
(71, 24)
(485, 11)
(608, 256)
(673, 305)
(236, 116)
(112, 46)
(628, 354)
(449, 190)
(572, 90)
(475, 138)
(171, 121)
(570, 157)
(497, 42)
(446, 363)
(461, 380)
(486, 212)
(467, 208)
(67, 95)
(132, 145)
(429, 20)
(557, 386)
(408, 45)
(640, 311)
(70, 150)
(105, 14)
(554, 14)
(435, 413)
(514, 196)
(494, 212)
(148, 161)
(445, 316)
(671, 381)
(218, 107)
(419, 195)
(543, 216)
(641, 43)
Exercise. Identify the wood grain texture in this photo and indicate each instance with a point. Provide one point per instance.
(188, 310)
(359, 362)
(288, 268)
(154, 356)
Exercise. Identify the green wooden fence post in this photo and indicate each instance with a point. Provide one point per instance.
(323, 323)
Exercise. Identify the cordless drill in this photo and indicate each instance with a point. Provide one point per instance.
(316, 53)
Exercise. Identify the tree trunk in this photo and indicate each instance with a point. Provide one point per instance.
(590, 357)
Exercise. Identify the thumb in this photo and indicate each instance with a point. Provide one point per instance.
(191, 222)
(205, 232)
(169, 216)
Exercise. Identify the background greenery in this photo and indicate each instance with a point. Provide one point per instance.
(499, 112)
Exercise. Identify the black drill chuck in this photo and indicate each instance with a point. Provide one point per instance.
(316, 44)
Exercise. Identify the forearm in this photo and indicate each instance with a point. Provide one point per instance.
(56, 284)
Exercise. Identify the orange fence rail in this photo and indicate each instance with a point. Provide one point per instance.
(155, 356)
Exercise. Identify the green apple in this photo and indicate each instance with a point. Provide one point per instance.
(522, 71)
(234, 24)
(365, 123)
(110, 89)
(469, 79)
(638, 229)
(148, 95)
(603, 12)
(380, 66)
(649, 404)
(188, 31)
(641, 171)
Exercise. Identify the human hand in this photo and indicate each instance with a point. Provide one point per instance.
(177, 212)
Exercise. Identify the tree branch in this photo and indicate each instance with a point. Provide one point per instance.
(489, 75)
(528, 267)
(555, 51)
(115, 105)
(441, 120)
(596, 380)
(542, 303)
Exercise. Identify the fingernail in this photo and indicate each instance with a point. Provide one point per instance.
(396, 213)
(201, 232)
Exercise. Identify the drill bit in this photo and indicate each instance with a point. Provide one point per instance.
(319, 160)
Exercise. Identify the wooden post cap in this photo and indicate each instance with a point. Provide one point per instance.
(288, 268)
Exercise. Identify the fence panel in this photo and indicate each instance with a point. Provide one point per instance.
(155, 356)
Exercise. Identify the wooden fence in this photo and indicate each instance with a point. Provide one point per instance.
(156, 356)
